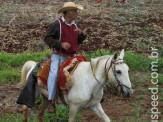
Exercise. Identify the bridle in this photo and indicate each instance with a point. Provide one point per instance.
(112, 65)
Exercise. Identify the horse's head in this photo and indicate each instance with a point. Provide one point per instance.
(118, 73)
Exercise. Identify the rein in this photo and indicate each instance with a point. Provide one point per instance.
(102, 85)
(114, 63)
(119, 83)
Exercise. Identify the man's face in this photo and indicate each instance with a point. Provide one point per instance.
(72, 14)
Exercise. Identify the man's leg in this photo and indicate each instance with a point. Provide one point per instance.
(56, 60)
(52, 81)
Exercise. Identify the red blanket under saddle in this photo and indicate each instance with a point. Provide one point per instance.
(62, 78)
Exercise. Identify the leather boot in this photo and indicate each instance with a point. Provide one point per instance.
(51, 107)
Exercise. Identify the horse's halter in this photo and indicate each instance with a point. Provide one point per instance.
(113, 64)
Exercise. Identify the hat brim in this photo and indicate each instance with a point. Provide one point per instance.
(70, 8)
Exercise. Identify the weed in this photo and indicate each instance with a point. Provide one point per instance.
(142, 80)
(137, 62)
(9, 76)
(136, 111)
(133, 104)
(140, 97)
(143, 90)
(160, 79)
(16, 118)
(62, 114)
(149, 112)
(161, 98)
(143, 104)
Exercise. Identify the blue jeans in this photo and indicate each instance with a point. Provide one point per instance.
(52, 78)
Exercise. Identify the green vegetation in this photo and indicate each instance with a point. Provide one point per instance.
(13, 118)
(136, 111)
(19, 59)
(140, 97)
(160, 79)
(61, 115)
(11, 64)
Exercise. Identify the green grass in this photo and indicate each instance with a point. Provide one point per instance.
(142, 80)
(149, 111)
(133, 104)
(160, 79)
(143, 91)
(9, 76)
(19, 59)
(61, 115)
(10, 65)
(140, 97)
(143, 104)
(137, 62)
(136, 111)
(161, 98)
(12, 118)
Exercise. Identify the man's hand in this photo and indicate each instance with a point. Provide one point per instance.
(66, 45)
(85, 32)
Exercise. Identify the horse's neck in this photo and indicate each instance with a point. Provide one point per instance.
(99, 70)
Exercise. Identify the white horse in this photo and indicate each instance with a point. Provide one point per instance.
(89, 79)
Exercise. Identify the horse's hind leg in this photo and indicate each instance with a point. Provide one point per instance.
(25, 111)
(42, 108)
(100, 112)
(72, 114)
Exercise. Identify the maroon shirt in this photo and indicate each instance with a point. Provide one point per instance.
(69, 34)
(53, 37)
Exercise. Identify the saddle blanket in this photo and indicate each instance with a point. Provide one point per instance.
(64, 74)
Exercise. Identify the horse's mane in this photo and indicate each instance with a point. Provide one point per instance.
(96, 61)
(102, 57)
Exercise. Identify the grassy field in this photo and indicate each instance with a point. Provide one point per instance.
(11, 64)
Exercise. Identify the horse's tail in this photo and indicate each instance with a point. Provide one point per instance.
(26, 68)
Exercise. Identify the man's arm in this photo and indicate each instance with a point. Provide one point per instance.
(52, 36)
(82, 36)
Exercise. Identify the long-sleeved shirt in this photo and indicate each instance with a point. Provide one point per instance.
(53, 35)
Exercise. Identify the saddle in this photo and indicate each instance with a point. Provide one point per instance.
(65, 73)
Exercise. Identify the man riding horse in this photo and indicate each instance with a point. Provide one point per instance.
(63, 37)
(89, 78)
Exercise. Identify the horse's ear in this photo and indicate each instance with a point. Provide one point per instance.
(115, 56)
(122, 54)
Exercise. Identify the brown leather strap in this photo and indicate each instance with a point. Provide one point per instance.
(61, 96)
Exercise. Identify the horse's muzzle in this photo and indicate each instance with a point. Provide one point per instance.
(128, 92)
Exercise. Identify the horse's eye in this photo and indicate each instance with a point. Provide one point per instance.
(118, 72)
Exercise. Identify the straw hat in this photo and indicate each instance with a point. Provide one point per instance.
(70, 6)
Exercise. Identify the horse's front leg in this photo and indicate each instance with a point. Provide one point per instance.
(100, 112)
(73, 109)
(42, 108)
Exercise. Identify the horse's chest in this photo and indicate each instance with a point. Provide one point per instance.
(93, 100)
